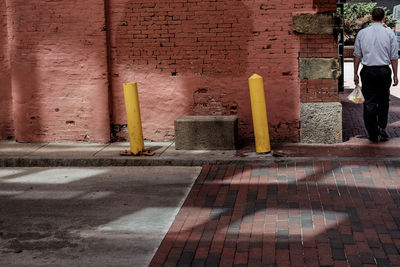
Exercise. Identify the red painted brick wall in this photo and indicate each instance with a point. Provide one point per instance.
(6, 123)
(59, 70)
(188, 57)
(194, 57)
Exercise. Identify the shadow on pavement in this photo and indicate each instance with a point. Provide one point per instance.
(88, 216)
(353, 123)
(302, 214)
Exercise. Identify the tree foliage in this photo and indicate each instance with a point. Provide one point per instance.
(358, 16)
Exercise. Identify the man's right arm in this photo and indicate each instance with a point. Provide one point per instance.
(357, 62)
(357, 58)
(394, 68)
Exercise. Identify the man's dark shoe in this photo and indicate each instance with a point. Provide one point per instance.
(383, 136)
(373, 139)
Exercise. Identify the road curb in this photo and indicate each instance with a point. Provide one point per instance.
(131, 161)
(105, 162)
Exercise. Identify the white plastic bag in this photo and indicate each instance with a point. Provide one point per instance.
(356, 96)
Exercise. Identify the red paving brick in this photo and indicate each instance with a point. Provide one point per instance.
(353, 123)
(355, 142)
(313, 213)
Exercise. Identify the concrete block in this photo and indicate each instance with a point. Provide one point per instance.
(321, 123)
(206, 132)
(319, 68)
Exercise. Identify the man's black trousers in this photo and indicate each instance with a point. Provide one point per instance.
(376, 82)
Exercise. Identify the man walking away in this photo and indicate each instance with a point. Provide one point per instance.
(376, 48)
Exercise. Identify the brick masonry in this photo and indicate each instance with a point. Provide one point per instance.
(197, 56)
(58, 70)
(6, 123)
(318, 46)
(320, 90)
(325, 5)
(188, 57)
(314, 213)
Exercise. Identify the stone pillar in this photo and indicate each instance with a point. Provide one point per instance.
(319, 69)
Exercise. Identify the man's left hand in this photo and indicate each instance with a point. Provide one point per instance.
(395, 81)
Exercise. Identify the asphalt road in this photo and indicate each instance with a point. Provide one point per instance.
(114, 216)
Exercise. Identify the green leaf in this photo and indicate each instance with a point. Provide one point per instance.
(358, 16)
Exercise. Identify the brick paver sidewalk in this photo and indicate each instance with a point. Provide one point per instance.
(318, 213)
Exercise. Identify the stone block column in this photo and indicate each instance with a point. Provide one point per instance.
(319, 69)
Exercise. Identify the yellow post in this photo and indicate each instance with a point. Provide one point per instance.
(259, 111)
(133, 118)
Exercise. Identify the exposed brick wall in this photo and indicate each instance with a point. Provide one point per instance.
(322, 90)
(59, 70)
(325, 5)
(321, 45)
(348, 52)
(194, 57)
(188, 57)
(6, 123)
(204, 37)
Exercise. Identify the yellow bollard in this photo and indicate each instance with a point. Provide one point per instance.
(133, 117)
(259, 111)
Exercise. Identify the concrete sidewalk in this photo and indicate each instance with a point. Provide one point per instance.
(13, 154)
